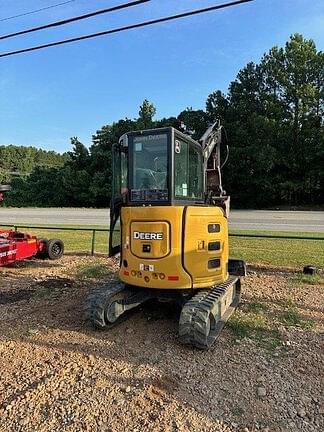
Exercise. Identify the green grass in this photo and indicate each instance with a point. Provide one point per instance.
(280, 233)
(309, 279)
(291, 317)
(260, 323)
(255, 326)
(93, 271)
(278, 252)
(75, 241)
(256, 307)
(243, 324)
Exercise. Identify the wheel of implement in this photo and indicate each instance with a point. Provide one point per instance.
(43, 253)
(205, 314)
(55, 249)
(104, 308)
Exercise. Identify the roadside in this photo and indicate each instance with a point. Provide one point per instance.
(59, 374)
(265, 220)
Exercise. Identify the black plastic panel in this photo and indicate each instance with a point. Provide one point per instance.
(213, 246)
(214, 263)
(146, 248)
(149, 195)
(236, 267)
(213, 228)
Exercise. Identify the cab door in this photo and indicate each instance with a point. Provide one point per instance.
(118, 195)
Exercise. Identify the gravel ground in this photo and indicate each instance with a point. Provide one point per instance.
(57, 373)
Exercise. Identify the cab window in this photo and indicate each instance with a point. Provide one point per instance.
(150, 163)
(188, 171)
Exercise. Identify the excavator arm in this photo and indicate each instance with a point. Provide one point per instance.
(212, 141)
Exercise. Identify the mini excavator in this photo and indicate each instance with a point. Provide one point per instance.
(169, 223)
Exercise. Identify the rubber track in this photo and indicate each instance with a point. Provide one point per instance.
(97, 302)
(195, 315)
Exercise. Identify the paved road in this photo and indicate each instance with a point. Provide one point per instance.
(239, 219)
(278, 220)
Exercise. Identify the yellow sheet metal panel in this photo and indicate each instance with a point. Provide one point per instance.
(206, 245)
(150, 239)
(159, 227)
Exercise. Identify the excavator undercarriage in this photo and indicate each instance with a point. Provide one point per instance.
(202, 317)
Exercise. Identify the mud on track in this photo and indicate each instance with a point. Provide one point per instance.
(59, 374)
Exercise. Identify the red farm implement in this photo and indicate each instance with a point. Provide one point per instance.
(17, 246)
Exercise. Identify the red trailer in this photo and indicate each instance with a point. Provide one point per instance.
(17, 246)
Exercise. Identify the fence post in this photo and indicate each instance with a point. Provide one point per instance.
(93, 242)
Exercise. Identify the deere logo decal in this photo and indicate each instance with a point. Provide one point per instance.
(137, 235)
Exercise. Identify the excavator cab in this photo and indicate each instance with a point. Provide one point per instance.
(169, 222)
(158, 167)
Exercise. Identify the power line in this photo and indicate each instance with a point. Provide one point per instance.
(129, 27)
(77, 18)
(36, 10)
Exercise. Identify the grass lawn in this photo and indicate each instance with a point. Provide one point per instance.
(75, 241)
(277, 252)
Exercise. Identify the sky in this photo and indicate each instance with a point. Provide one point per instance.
(51, 95)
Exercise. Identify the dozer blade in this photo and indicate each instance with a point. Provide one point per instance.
(205, 314)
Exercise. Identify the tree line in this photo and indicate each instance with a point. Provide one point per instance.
(22, 160)
(273, 114)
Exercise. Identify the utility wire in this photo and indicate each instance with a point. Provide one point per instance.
(36, 10)
(77, 18)
(129, 27)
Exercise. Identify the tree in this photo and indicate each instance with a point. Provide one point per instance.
(79, 156)
(273, 114)
(195, 121)
(101, 158)
(146, 113)
(217, 105)
(296, 73)
(76, 177)
(22, 160)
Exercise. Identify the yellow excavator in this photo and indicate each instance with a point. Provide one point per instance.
(169, 223)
